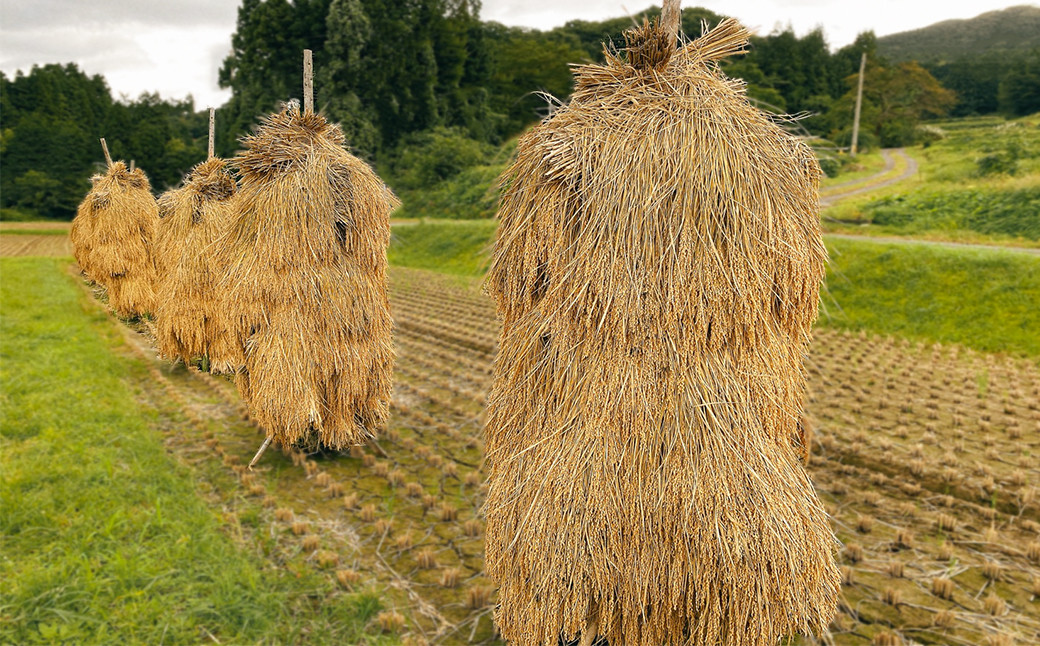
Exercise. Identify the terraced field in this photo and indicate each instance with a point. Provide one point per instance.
(926, 456)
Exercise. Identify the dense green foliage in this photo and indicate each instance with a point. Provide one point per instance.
(105, 537)
(979, 298)
(52, 119)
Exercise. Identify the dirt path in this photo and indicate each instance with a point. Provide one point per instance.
(934, 243)
(833, 194)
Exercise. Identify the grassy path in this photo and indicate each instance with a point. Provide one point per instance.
(898, 167)
(107, 537)
(935, 243)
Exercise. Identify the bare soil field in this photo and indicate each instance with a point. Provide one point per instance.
(926, 456)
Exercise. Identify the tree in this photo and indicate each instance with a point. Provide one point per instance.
(895, 100)
(1019, 90)
(349, 31)
(527, 66)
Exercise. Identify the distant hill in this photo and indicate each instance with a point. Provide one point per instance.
(1015, 29)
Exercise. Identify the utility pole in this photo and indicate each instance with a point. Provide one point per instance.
(859, 104)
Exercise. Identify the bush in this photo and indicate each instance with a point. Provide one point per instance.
(17, 215)
(996, 164)
(1014, 213)
(830, 166)
(429, 157)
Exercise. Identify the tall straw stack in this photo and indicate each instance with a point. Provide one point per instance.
(189, 320)
(112, 236)
(305, 292)
(657, 271)
(171, 230)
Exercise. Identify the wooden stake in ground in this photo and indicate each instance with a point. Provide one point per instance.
(112, 236)
(859, 103)
(657, 271)
(108, 157)
(209, 147)
(308, 83)
(305, 292)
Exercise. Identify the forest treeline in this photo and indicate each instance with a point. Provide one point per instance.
(425, 87)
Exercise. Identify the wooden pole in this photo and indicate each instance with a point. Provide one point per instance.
(209, 150)
(859, 104)
(671, 17)
(104, 147)
(131, 165)
(263, 447)
(308, 82)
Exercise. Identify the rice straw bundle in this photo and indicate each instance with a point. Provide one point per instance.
(117, 225)
(188, 316)
(657, 271)
(306, 286)
(80, 235)
(171, 230)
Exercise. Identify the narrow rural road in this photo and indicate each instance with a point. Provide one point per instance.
(934, 243)
(838, 192)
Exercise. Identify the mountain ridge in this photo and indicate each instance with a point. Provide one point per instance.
(1014, 29)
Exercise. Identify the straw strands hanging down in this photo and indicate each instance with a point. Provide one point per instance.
(112, 236)
(305, 293)
(189, 321)
(657, 271)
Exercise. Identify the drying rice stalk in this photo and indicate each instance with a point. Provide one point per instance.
(657, 271)
(189, 319)
(305, 294)
(112, 236)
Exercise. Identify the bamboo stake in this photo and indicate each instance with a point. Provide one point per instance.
(104, 147)
(671, 17)
(260, 452)
(308, 82)
(209, 150)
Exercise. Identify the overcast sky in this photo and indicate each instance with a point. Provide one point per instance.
(175, 47)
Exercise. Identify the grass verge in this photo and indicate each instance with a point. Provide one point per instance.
(105, 536)
(987, 300)
(449, 246)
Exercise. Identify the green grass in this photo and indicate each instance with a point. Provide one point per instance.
(1007, 213)
(106, 539)
(33, 232)
(987, 300)
(448, 246)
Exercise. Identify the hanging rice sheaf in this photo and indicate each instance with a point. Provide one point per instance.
(188, 314)
(306, 288)
(657, 271)
(170, 231)
(112, 236)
